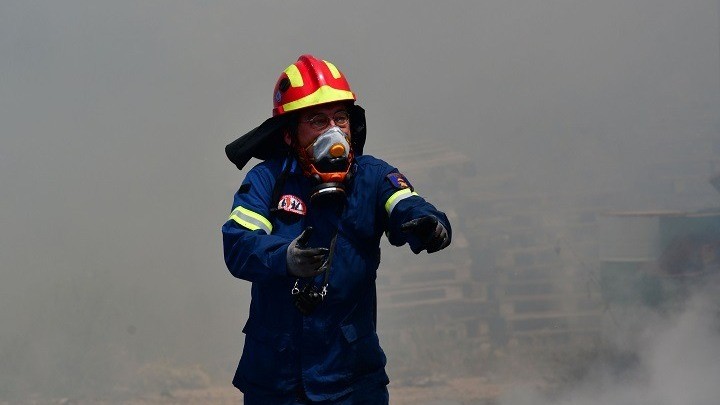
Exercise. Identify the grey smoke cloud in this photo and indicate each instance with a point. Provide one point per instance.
(676, 360)
(114, 115)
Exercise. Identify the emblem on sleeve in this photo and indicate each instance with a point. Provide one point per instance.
(291, 203)
(399, 181)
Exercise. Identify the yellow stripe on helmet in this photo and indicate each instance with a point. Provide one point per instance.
(251, 220)
(324, 94)
(335, 72)
(293, 73)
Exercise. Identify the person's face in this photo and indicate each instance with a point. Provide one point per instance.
(316, 120)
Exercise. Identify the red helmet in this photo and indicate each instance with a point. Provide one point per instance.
(308, 82)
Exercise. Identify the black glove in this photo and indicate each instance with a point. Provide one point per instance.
(302, 261)
(430, 231)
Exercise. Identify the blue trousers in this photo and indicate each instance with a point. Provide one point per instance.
(372, 396)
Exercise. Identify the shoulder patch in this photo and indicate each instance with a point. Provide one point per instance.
(399, 181)
(293, 204)
(244, 188)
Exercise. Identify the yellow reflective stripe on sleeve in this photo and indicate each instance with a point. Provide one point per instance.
(335, 72)
(251, 220)
(396, 197)
(324, 94)
(294, 75)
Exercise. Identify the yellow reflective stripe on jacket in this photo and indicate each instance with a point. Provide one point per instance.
(324, 94)
(396, 197)
(251, 220)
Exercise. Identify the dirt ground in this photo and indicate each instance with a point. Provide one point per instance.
(465, 391)
(457, 391)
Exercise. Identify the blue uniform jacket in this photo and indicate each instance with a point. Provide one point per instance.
(335, 349)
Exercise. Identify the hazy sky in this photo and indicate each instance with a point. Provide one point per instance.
(114, 116)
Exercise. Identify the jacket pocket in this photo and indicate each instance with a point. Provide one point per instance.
(278, 341)
(268, 359)
(364, 348)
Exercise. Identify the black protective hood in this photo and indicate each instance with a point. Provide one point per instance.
(266, 141)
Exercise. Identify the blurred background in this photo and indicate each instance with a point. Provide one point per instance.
(536, 125)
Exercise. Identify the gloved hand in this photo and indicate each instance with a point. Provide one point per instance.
(430, 231)
(302, 261)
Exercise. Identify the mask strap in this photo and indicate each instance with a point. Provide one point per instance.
(280, 184)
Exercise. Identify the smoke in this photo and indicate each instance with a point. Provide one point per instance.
(649, 358)
(114, 185)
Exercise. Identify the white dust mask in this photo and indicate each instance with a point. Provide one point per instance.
(331, 144)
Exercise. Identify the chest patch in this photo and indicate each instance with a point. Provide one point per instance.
(291, 203)
(399, 181)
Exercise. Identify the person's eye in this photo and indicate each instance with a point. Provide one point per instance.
(316, 119)
(341, 118)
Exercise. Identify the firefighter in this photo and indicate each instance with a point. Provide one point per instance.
(305, 230)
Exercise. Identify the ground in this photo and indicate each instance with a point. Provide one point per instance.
(466, 391)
